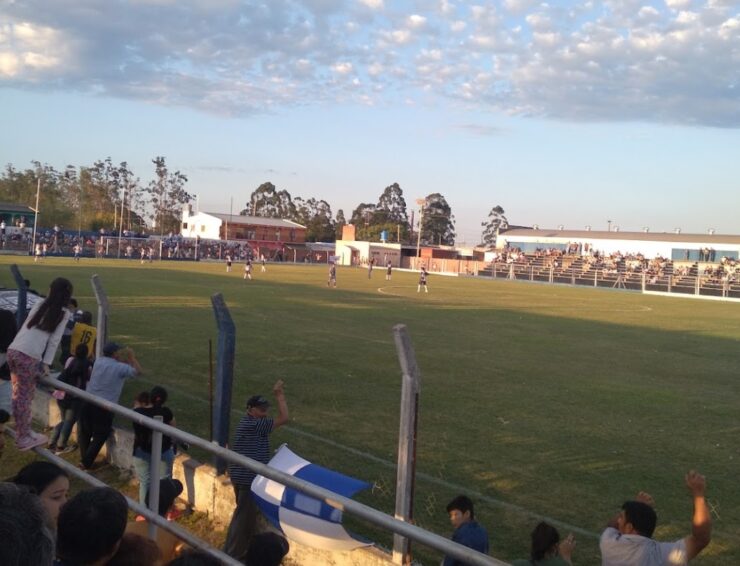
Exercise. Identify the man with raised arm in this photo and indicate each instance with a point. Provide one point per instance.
(251, 440)
(627, 540)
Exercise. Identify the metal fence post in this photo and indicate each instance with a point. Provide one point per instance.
(225, 350)
(410, 388)
(103, 312)
(22, 308)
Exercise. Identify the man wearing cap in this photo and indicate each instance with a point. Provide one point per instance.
(251, 440)
(106, 381)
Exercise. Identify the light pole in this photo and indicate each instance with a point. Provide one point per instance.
(36, 215)
(120, 229)
(420, 202)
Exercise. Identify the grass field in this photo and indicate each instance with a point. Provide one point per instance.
(536, 400)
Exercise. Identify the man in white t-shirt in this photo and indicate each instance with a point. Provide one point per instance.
(627, 539)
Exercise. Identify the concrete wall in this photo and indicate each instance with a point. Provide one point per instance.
(207, 492)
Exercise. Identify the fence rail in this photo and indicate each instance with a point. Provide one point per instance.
(344, 504)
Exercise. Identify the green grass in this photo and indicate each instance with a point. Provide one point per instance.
(539, 400)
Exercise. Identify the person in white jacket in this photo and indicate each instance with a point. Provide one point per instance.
(32, 352)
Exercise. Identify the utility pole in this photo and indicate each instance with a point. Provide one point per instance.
(420, 202)
(36, 215)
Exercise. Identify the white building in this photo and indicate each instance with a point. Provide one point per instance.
(675, 246)
(217, 226)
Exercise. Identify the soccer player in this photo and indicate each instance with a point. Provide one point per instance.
(332, 275)
(388, 270)
(262, 260)
(422, 280)
(248, 269)
(228, 263)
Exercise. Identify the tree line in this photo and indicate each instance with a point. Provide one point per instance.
(102, 195)
(109, 195)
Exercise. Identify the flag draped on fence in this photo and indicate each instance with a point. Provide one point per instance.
(302, 518)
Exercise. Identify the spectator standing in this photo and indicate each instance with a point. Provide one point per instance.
(106, 381)
(143, 441)
(548, 549)
(31, 354)
(76, 373)
(468, 531)
(628, 537)
(251, 440)
(67, 334)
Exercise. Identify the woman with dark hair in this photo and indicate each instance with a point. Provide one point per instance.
(76, 373)
(49, 482)
(143, 441)
(31, 354)
(547, 549)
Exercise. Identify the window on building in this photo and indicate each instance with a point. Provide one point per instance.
(184, 225)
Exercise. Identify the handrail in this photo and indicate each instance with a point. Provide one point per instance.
(172, 527)
(337, 501)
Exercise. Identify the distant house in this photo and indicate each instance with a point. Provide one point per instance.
(256, 230)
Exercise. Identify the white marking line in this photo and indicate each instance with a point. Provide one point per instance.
(421, 475)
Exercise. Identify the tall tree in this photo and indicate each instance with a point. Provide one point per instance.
(391, 207)
(316, 216)
(167, 194)
(496, 222)
(339, 224)
(391, 215)
(362, 218)
(268, 202)
(438, 225)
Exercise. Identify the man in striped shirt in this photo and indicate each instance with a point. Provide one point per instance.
(251, 440)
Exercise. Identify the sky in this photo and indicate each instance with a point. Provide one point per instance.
(564, 113)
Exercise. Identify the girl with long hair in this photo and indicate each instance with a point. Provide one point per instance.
(32, 352)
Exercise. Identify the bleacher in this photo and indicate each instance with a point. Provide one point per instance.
(632, 272)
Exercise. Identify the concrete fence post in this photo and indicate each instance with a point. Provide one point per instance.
(22, 307)
(225, 351)
(405, 478)
(103, 313)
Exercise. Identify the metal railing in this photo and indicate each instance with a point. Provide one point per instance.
(344, 504)
(152, 517)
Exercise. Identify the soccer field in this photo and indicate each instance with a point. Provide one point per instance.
(537, 400)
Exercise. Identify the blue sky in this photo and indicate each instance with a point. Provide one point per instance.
(569, 113)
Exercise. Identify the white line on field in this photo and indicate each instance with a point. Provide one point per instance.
(421, 475)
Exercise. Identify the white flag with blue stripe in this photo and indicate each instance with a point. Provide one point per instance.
(302, 518)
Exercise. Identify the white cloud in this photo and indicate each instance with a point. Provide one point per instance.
(342, 68)
(373, 4)
(415, 21)
(677, 4)
(457, 26)
(598, 60)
